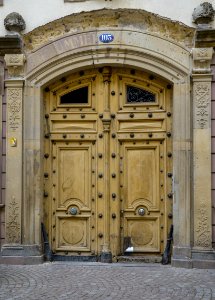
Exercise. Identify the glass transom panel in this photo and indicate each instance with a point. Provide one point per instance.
(138, 95)
(79, 96)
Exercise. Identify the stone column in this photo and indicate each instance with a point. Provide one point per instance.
(202, 254)
(14, 96)
(14, 251)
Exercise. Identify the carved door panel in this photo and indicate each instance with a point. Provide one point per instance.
(142, 180)
(72, 191)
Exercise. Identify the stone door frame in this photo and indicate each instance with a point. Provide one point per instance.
(131, 48)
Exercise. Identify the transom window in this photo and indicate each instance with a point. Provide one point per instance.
(138, 95)
(79, 96)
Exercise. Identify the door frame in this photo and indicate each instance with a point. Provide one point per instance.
(117, 222)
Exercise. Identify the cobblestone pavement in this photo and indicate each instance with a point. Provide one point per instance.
(105, 281)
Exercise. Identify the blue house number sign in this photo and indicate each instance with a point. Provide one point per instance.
(106, 38)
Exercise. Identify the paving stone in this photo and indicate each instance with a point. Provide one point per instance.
(80, 281)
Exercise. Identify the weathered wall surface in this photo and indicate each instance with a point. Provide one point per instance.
(94, 21)
(213, 149)
(40, 12)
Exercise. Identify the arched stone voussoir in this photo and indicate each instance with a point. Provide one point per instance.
(129, 48)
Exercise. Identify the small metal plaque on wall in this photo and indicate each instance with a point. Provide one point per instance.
(106, 38)
(13, 142)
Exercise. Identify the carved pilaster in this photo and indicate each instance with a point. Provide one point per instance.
(202, 148)
(14, 95)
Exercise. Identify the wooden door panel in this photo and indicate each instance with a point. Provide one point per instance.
(144, 233)
(141, 125)
(142, 176)
(74, 165)
(73, 233)
(75, 126)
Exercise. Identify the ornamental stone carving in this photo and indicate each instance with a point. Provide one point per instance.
(202, 60)
(15, 64)
(14, 104)
(203, 237)
(201, 96)
(14, 22)
(13, 225)
(203, 14)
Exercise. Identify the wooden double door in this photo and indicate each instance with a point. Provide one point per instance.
(108, 162)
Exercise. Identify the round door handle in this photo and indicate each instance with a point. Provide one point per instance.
(73, 211)
(141, 211)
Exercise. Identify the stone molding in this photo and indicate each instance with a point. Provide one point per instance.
(15, 64)
(205, 37)
(10, 44)
(86, 46)
(202, 60)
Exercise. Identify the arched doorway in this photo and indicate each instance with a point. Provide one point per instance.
(131, 50)
(108, 162)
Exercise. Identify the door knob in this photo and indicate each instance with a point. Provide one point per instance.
(73, 211)
(141, 211)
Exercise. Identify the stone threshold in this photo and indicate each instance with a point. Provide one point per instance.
(139, 259)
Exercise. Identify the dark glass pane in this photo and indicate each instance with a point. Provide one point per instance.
(137, 95)
(79, 96)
